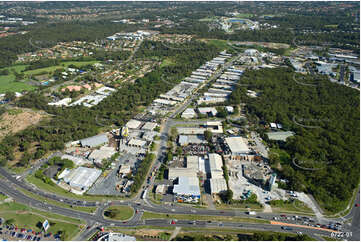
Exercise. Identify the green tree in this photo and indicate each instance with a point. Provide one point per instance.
(10, 96)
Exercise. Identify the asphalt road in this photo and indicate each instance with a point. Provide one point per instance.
(98, 219)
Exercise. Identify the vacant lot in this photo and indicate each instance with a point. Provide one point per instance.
(15, 120)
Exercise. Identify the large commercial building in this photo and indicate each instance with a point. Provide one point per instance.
(181, 172)
(103, 153)
(187, 186)
(238, 147)
(133, 124)
(189, 113)
(217, 185)
(94, 141)
(81, 178)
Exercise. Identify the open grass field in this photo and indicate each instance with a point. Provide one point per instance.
(121, 212)
(25, 217)
(8, 83)
(167, 62)
(295, 207)
(244, 15)
(219, 43)
(149, 215)
(62, 65)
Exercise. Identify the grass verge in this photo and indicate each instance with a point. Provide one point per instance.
(27, 217)
(119, 212)
(56, 203)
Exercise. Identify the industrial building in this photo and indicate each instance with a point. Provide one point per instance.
(189, 113)
(165, 102)
(214, 163)
(181, 172)
(217, 185)
(81, 178)
(94, 141)
(98, 156)
(208, 111)
(187, 187)
(137, 142)
(238, 147)
(133, 124)
(149, 126)
(211, 100)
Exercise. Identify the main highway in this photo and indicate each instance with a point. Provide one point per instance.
(98, 219)
(9, 185)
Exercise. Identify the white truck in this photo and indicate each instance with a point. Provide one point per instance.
(251, 213)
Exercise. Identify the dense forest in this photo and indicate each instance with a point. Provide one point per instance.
(73, 123)
(326, 120)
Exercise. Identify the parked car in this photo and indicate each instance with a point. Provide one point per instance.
(286, 228)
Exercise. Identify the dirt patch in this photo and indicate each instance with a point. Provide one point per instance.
(149, 232)
(15, 120)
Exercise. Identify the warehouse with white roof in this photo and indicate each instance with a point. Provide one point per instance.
(217, 185)
(81, 178)
(179, 172)
(94, 141)
(187, 186)
(133, 124)
(238, 146)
